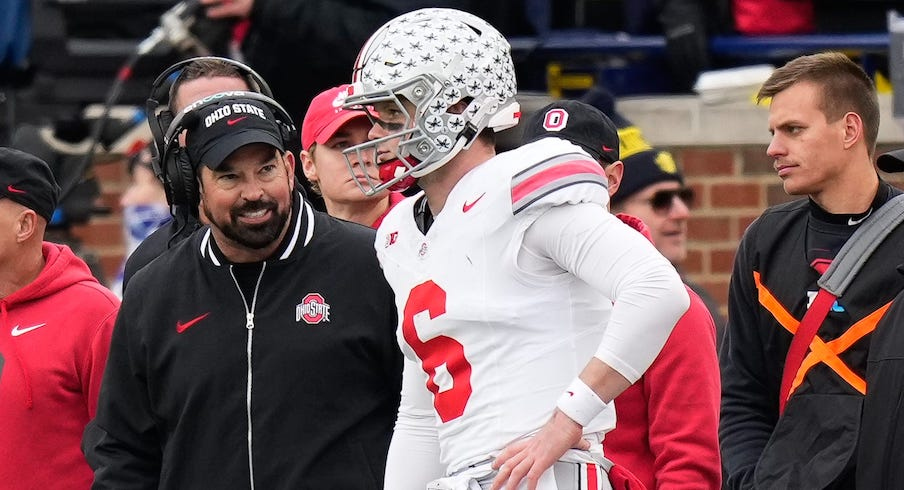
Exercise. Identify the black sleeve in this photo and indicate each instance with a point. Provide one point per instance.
(159, 241)
(149, 249)
(882, 431)
(749, 399)
(121, 444)
(686, 40)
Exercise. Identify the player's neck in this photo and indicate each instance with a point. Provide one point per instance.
(852, 194)
(361, 212)
(438, 184)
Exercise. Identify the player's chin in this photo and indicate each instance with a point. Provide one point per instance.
(795, 187)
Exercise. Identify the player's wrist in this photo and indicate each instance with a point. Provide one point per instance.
(580, 403)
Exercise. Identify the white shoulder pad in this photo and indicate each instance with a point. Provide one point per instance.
(551, 172)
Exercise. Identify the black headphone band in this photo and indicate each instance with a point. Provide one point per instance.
(160, 119)
(282, 117)
(160, 82)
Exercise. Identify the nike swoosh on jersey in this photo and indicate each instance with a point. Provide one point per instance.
(181, 327)
(16, 331)
(468, 205)
(236, 120)
(852, 221)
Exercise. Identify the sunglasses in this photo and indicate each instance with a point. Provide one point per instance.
(662, 201)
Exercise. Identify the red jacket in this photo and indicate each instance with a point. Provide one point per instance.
(54, 336)
(667, 422)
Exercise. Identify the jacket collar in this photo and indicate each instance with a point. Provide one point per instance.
(298, 236)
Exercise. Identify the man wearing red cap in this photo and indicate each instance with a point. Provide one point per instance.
(327, 130)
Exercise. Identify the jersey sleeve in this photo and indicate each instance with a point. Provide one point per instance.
(561, 179)
(413, 458)
(648, 295)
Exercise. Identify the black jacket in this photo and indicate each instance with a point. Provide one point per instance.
(814, 444)
(882, 433)
(324, 366)
(174, 231)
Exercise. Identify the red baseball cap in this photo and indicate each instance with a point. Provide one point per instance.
(325, 116)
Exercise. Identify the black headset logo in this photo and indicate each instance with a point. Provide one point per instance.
(178, 171)
(160, 117)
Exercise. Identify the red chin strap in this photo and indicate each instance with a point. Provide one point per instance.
(390, 169)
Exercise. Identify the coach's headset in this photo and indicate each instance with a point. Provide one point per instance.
(180, 176)
(160, 117)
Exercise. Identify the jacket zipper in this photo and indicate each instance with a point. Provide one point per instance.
(249, 325)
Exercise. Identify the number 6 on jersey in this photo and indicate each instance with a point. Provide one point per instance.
(440, 352)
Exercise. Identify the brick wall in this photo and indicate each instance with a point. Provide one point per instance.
(103, 235)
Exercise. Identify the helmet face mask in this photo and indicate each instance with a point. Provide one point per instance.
(435, 60)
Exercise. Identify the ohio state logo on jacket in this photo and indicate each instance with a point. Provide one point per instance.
(312, 309)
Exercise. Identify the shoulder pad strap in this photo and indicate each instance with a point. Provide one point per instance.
(857, 250)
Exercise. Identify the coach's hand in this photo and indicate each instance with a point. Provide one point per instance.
(528, 459)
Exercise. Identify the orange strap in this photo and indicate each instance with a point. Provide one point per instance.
(828, 352)
(820, 350)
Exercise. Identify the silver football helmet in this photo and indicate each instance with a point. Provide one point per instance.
(432, 59)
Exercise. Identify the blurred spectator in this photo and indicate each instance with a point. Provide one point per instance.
(653, 190)
(144, 208)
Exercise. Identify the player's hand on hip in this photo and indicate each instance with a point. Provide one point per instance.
(528, 459)
(218, 9)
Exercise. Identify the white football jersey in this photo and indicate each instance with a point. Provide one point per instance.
(499, 344)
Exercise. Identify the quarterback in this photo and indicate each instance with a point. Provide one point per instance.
(524, 306)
